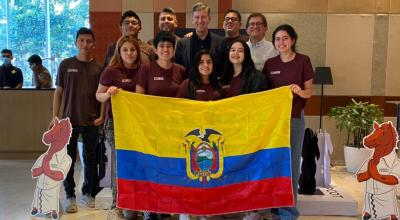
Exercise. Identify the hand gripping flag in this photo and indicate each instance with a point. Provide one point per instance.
(203, 158)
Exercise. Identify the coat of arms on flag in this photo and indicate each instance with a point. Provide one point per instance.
(204, 154)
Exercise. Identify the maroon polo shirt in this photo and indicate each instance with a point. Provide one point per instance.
(124, 79)
(205, 92)
(158, 81)
(297, 71)
(234, 88)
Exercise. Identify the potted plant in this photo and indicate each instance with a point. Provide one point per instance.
(357, 119)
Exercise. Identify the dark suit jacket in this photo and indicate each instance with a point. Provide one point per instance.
(183, 49)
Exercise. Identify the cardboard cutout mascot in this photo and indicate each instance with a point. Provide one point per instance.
(50, 169)
(381, 173)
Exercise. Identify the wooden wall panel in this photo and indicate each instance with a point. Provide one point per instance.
(349, 51)
(105, 26)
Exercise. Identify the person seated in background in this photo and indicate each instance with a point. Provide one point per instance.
(41, 76)
(10, 76)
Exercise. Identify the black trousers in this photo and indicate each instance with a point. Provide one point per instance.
(90, 136)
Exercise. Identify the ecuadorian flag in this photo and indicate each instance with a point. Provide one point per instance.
(203, 158)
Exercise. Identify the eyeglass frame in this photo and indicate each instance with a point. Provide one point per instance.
(133, 22)
(256, 24)
(233, 19)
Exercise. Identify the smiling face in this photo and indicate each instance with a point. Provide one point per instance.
(167, 22)
(256, 28)
(200, 20)
(236, 53)
(128, 54)
(205, 65)
(130, 26)
(283, 42)
(231, 24)
(165, 50)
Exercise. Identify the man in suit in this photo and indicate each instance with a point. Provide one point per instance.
(201, 39)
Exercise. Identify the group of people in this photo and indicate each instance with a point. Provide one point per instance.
(12, 77)
(199, 66)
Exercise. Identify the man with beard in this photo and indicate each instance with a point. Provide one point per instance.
(167, 21)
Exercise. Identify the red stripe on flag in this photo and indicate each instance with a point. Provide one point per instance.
(267, 193)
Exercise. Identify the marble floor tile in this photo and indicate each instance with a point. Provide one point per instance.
(17, 187)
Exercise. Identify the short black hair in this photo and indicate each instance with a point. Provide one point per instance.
(130, 13)
(234, 11)
(164, 36)
(6, 51)
(35, 59)
(84, 30)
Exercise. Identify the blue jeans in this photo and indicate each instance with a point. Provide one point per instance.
(296, 142)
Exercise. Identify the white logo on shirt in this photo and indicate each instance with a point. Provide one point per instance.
(158, 78)
(275, 72)
(226, 86)
(201, 90)
(126, 80)
(72, 70)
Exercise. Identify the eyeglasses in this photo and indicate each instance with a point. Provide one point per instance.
(233, 19)
(258, 24)
(134, 23)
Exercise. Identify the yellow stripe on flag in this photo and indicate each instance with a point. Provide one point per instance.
(157, 125)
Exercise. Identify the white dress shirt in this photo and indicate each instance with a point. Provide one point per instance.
(261, 52)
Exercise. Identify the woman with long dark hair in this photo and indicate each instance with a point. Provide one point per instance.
(293, 69)
(239, 75)
(202, 83)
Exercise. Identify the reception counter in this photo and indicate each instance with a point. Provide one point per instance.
(24, 116)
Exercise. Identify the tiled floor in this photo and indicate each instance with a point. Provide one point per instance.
(17, 186)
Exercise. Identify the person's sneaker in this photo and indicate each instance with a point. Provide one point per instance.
(34, 211)
(54, 215)
(88, 201)
(70, 205)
